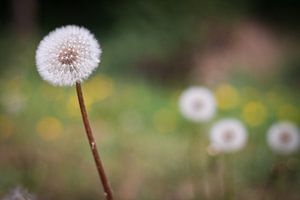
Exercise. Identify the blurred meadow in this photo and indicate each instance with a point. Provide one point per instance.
(246, 52)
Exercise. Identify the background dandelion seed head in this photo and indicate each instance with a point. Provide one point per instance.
(228, 135)
(197, 104)
(283, 137)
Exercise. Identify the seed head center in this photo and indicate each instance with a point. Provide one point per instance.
(68, 56)
(228, 136)
(198, 104)
(285, 137)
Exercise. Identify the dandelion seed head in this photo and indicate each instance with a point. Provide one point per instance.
(67, 55)
(197, 104)
(19, 193)
(283, 138)
(228, 135)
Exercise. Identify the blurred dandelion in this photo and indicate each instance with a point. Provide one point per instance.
(19, 193)
(66, 57)
(283, 138)
(197, 104)
(228, 135)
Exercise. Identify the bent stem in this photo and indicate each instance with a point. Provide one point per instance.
(99, 165)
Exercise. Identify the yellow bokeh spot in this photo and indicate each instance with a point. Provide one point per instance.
(254, 113)
(49, 128)
(227, 96)
(6, 126)
(73, 106)
(288, 112)
(165, 121)
(98, 88)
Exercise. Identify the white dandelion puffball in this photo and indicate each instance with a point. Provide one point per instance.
(283, 137)
(67, 55)
(228, 135)
(19, 193)
(197, 104)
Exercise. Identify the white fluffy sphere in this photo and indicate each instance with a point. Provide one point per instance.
(283, 137)
(228, 135)
(66, 55)
(197, 104)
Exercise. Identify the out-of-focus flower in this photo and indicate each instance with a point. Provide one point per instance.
(227, 96)
(99, 87)
(228, 135)
(283, 137)
(254, 113)
(19, 193)
(68, 54)
(49, 128)
(197, 104)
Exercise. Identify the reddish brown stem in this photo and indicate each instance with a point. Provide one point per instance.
(92, 142)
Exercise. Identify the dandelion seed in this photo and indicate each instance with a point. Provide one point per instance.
(283, 138)
(228, 135)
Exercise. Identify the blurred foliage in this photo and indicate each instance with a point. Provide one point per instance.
(149, 150)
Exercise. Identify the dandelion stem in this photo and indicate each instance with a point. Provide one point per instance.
(92, 142)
